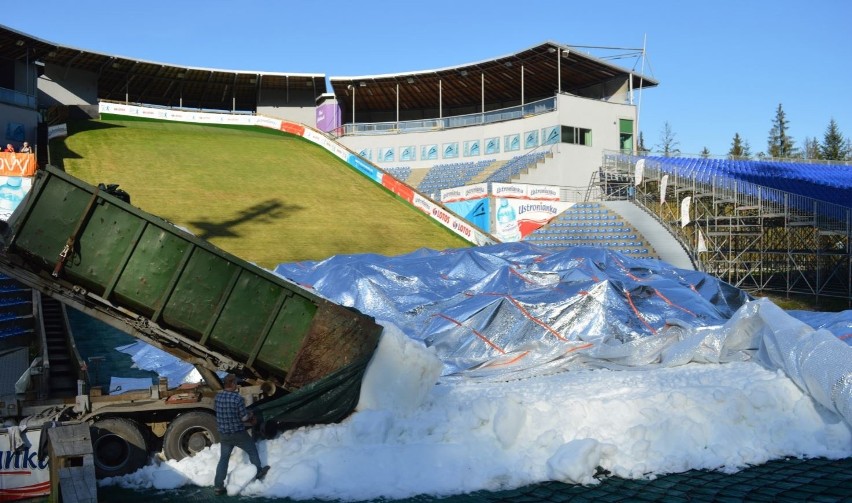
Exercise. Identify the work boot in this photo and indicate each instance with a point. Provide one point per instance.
(262, 473)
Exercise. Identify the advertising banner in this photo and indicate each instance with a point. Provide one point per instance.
(22, 474)
(526, 191)
(12, 192)
(515, 190)
(12, 164)
(398, 188)
(328, 117)
(475, 211)
(476, 191)
(528, 216)
(57, 131)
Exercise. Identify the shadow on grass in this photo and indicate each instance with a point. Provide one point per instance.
(59, 150)
(266, 211)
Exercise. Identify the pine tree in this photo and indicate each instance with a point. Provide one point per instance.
(641, 146)
(780, 143)
(739, 148)
(668, 141)
(834, 147)
(705, 153)
(813, 150)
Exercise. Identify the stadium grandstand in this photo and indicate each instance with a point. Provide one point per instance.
(761, 226)
(549, 119)
(551, 129)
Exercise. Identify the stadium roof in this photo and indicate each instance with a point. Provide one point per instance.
(547, 68)
(139, 81)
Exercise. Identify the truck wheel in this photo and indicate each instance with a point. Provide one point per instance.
(190, 433)
(119, 447)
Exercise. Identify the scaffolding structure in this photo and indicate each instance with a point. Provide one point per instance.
(754, 237)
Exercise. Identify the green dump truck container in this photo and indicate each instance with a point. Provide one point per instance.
(94, 251)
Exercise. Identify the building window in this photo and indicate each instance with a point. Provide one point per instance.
(625, 130)
(577, 135)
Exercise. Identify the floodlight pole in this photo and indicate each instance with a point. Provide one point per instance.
(353, 104)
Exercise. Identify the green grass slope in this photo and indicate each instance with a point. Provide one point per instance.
(264, 196)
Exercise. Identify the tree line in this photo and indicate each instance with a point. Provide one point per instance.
(780, 145)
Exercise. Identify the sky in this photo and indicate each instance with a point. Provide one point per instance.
(410, 437)
(724, 67)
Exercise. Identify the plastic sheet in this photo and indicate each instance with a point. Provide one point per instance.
(513, 310)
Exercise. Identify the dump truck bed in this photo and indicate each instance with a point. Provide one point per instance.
(147, 277)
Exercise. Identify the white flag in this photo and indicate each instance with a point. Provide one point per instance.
(663, 185)
(640, 172)
(684, 211)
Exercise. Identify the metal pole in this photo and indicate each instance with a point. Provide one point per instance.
(641, 76)
(440, 100)
(397, 105)
(482, 94)
(522, 88)
(559, 70)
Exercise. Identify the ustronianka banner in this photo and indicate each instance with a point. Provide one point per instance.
(464, 193)
(531, 215)
(526, 191)
(12, 192)
(22, 474)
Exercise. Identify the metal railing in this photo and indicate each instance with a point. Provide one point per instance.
(17, 98)
(754, 237)
(377, 128)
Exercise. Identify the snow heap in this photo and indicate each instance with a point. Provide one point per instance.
(508, 367)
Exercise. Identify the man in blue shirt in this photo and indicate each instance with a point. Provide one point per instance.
(232, 416)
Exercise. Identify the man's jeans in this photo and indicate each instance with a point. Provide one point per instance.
(227, 442)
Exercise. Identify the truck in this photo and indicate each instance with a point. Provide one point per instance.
(299, 356)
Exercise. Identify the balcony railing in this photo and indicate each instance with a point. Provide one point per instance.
(504, 114)
(17, 98)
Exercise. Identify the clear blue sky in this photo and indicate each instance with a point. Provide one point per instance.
(723, 66)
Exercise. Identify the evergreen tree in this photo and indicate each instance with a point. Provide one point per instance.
(705, 153)
(668, 141)
(640, 148)
(739, 148)
(834, 147)
(813, 150)
(780, 142)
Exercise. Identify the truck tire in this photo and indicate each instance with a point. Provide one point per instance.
(119, 447)
(189, 433)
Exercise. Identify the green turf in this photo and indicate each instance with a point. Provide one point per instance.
(265, 196)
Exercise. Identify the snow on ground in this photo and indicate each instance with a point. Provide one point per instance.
(411, 436)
